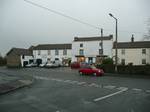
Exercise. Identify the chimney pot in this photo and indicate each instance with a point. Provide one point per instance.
(132, 38)
(75, 38)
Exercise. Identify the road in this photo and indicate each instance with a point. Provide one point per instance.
(64, 90)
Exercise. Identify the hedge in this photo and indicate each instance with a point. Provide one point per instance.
(126, 69)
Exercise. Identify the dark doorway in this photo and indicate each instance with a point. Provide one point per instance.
(30, 61)
(90, 60)
(39, 61)
(25, 63)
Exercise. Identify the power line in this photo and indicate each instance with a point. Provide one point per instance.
(61, 14)
(74, 19)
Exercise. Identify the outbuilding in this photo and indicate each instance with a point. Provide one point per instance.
(19, 57)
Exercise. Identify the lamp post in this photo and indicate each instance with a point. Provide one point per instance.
(116, 50)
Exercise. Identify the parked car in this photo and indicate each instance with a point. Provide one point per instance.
(75, 65)
(31, 65)
(58, 62)
(84, 64)
(91, 70)
(52, 64)
(42, 65)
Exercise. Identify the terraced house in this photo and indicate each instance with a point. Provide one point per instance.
(91, 49)
(49, 52)
(82, 49)
(133, 52)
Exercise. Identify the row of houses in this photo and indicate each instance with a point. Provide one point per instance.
(82, 49)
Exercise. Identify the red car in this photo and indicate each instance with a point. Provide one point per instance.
(91, 70)
(75, 65)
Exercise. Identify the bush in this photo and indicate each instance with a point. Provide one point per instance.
(107, 65)
(2, 61)
(107, 61)
(126, 69)
(131, 69)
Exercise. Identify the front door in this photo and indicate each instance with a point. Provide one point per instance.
(80, 59)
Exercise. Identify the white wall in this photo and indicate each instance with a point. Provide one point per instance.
(26, 58)
(44, 55)
(134, 56)
(91, 48)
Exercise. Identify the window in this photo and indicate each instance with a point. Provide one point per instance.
(56, 59)
(81, 45)
(123, 51)
(30, 61)
(101, 44)
(100, 51)
(65, 52)
(143, 51)
(123, 61)
(49, 52)
(143, 61)
(56, 52)
(39, 52)
(22, 56)
(81, 52)
(90, 60)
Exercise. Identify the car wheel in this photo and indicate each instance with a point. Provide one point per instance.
(80, 73)
(94, 74)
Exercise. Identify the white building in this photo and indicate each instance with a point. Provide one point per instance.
(91, 49)
(137, 53)
(49, 52)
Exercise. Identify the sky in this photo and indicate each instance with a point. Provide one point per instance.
(23, 24)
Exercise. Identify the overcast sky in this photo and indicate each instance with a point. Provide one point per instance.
(23, 25)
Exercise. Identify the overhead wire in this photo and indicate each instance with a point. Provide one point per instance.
(72, 18)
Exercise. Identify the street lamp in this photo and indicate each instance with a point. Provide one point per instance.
(116, 50)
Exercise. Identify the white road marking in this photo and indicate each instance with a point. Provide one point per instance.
(72, 82)
(109, 87)
(148, 91)
(121, 88)
(67, 81)
(54, 79)
(94, 85)
(60, 80)
(75, 82)
(42, 78)
(107, 96)
(80, 83)
(136, 89)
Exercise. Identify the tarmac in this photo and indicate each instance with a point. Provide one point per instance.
(10, 83)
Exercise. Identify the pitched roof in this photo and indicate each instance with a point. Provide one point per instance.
(97, 38)
(136, 44)
(20, 51)
(52, 46)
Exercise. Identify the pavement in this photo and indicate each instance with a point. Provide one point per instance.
(10, 82)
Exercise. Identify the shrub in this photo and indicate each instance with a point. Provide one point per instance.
(107, 61)
(2, 61)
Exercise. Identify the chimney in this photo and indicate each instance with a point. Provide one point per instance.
(132, 38)
(75, 38)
